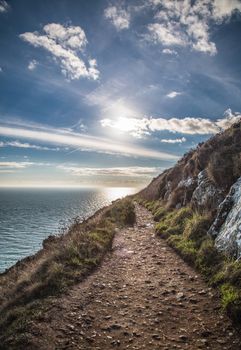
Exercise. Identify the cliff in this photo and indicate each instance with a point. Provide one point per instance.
(207, 179)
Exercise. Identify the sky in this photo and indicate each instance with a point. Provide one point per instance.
(110, 93)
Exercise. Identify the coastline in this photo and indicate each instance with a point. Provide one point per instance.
(62, 262)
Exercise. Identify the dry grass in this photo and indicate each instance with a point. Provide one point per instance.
(64, 261)
(220, 156)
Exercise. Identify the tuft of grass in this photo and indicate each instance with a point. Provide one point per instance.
(184, 247)
(159, 213)
(208, 259)
(173, 222)
(231, 301)
(229, 272)
(229, 294)
(196, 228)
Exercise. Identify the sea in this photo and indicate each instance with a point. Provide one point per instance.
(28, 216)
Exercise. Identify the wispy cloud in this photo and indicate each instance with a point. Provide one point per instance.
(4, 6)
(18, 144)
(174, 94)
(67, 44)
(119, 17)
(181, 140)
(15, 165)
(80, 141)
(139, 127)
(114, 171)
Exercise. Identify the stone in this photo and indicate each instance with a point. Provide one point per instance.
(206, 194)
(115, 326)
(180, 295)
(228, 236)
(183, 338)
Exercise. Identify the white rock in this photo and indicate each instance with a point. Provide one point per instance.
(229, 236)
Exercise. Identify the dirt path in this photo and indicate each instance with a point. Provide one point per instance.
(142, 297)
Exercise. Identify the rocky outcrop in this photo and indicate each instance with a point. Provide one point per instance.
(227, 225)
(206, 194)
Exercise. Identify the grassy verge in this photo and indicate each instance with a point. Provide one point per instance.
(65, 260)
(186, 232)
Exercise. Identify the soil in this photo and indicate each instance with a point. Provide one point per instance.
(143, 296)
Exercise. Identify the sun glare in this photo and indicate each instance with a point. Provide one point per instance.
(113, 193)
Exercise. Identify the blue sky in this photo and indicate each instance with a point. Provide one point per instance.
(110, 93)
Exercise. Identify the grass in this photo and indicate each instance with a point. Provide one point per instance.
(65, 261)
(185, 247)
(231, 301)
(186, 232)
(173, 222)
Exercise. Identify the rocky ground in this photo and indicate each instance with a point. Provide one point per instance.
(142, 297)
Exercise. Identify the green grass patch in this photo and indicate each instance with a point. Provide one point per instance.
(186, 232)
(231, 301)
(184, 247)
(196, 228)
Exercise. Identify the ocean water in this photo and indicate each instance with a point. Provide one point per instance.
(28, 216)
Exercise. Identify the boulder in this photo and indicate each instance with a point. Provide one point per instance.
(227, 225)
(206, 194)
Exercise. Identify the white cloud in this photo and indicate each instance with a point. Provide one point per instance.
(224, 8)
(173, 94)
(169, 52)
(183, 139)
(18, 144)
(15, 165)
(32, 65)
(186, 22)
(66, 44)
(4, 7)
(166, 34)
(139, 127)
(228, 118)
(80, 141)
(135, 171)
(119, 17)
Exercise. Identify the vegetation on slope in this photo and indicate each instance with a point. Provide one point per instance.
(186, 232)
(220, 157)
(65, 260)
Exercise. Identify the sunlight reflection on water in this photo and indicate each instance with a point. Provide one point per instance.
(28, 216)
(113, 193)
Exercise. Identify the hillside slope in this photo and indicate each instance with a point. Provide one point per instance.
(197, 207)
(208, 180)
(217, 162)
